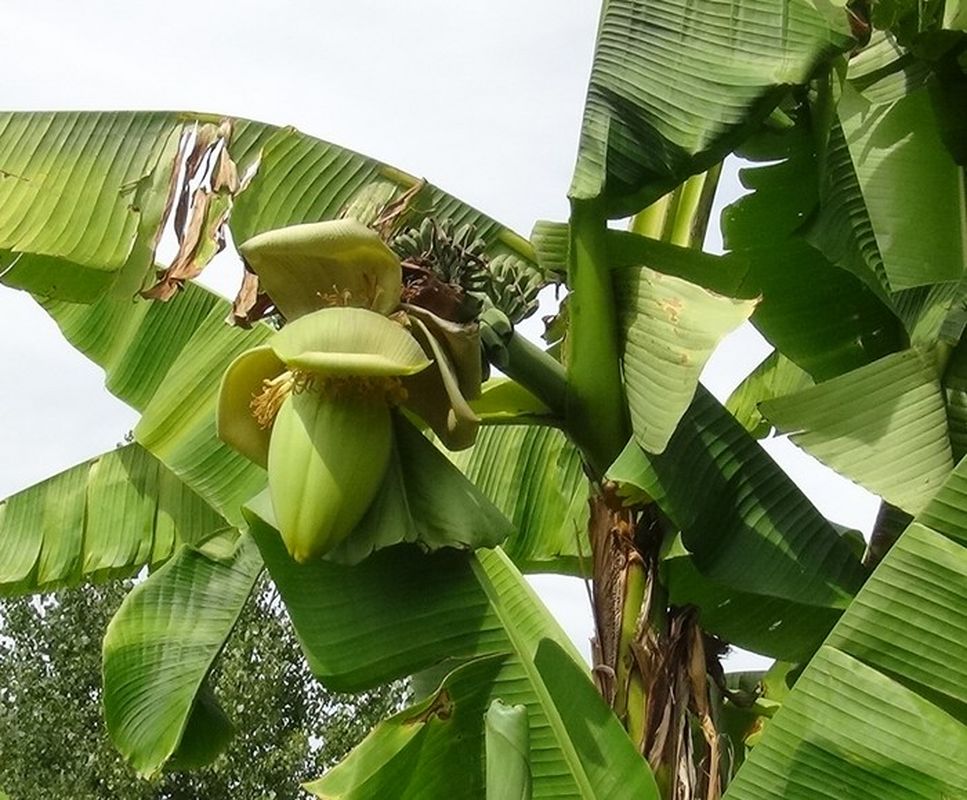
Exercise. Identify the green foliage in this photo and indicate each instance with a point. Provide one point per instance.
(54, 743)
(897, 446)
(675, 86)
(102, 519)
(60, 152)
(898, 655)
(159, 648)
(848, 255)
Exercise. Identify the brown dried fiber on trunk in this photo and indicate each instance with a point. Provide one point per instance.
(650, 662)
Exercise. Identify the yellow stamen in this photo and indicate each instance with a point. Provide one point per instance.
(336, 298)
(343, 298)
(265, 405)
(375, 290)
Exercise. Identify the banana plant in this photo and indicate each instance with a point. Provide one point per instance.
(341, 423)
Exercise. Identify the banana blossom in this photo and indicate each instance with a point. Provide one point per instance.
(313, 404)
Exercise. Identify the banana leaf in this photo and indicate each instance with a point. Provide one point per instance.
(880, 710)
(434, 749)
(822, 305)
(103, 519)
(160, 647)
(669, 328)
(535, 477)
(749, 534)
(675, 86)
(400, 612)
(86, 196)
(883, 425)
(911, 185)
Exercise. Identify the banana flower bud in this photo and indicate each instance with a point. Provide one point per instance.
(313, 404)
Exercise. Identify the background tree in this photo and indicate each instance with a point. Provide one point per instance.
(53, 742)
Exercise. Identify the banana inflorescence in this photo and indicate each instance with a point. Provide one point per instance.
(313, 405)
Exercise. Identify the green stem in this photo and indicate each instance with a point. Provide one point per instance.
(651, 221)
(536, 371)
(596, 413)
(629, 690)
(681, 216)
(700, 209)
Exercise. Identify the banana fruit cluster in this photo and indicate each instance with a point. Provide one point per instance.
(313, 405)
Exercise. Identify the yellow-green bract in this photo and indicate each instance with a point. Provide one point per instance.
(312, 405)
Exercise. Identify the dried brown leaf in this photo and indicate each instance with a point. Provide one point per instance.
(225, 174)
(202, 214)
(395, 212)
(205, 135)
(250, 304)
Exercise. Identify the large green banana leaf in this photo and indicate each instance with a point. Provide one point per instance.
(751, 536)
(911, 186)
(303, 179)
(433, 749)
(85, 195)
(106, 518)
(535, 477)
(669, 328)
(898, 125)
(827, 320)
(160, 647)
(676, 85)
(883, 425)
(955, 15)
(823, 318)
(864, 223)
(769, 625)
(842, 228)
(400, 612)
(550, 243)
(881, 710)
(889, 208)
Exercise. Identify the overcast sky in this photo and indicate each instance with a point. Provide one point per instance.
(484, 100)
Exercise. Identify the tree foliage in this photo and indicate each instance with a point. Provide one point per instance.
(54, 742)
